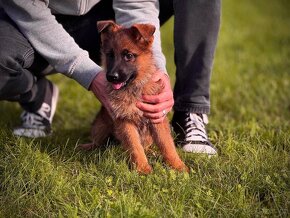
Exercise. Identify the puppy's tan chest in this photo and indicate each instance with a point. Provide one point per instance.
(124, 106)
(124, 102)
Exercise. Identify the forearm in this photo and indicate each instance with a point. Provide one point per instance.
(48, 37)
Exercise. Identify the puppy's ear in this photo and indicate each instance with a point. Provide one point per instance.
(143, 32)
(106, 26)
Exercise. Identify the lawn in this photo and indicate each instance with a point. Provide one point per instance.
(249, 124)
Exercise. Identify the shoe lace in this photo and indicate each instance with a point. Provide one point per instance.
(31, 120)
(195, 127)
(44, 111)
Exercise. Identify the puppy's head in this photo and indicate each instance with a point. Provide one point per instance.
(126, 51)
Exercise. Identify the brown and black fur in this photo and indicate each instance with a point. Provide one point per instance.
(127, 56)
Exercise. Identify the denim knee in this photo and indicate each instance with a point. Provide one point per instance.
(16, 56)
(15, 79)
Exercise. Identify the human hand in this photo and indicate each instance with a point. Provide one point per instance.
(155, 107)
(98, 87)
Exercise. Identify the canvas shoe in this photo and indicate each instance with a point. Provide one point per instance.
(38, 124)
(191, 132)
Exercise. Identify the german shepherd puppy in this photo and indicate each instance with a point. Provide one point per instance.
(127, 58)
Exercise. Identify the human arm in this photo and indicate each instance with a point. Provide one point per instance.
(47, 36)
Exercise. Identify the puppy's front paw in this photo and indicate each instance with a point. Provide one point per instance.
(181, 167)
(144, 169)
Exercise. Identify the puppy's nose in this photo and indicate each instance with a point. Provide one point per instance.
(113, 77)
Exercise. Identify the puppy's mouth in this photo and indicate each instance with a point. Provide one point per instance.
(120, 85)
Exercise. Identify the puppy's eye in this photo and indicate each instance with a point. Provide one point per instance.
(129, 56)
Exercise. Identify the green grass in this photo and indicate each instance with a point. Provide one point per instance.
(249, 123)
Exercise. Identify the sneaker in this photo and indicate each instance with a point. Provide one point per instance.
(191, 133)
(38, 124)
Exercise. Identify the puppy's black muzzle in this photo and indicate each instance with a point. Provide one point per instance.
(114, 77)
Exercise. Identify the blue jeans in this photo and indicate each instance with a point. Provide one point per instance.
(196, 27)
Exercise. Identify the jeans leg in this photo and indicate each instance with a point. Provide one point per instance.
(17, 82)
(196, 27)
